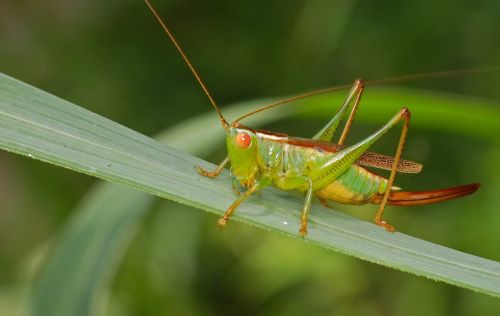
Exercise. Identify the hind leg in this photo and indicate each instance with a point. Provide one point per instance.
(334, 166)
(402, 139)
(326, 133)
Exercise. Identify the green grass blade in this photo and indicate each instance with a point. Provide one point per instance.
(102, 228)
(81, 266)
(41, 126)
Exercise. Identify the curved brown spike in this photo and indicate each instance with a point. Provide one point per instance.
(426, 197)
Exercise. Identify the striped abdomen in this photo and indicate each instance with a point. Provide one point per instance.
(355, 186)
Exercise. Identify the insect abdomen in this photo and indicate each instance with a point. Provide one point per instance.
(355, 186)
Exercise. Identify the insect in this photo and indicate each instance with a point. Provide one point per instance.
(319, 167)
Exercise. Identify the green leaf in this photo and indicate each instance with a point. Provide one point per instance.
(44, 127)
(86, 255)
(102, 228)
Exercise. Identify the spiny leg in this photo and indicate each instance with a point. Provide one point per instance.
(216, 172)
(326, 133)
(305, 210)
(405, 114)
(335, 165)
(223, 220)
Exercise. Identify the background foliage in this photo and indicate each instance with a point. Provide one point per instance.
(113, 59)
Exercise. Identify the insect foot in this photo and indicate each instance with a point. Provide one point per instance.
(303, 231)
(204, 172)
(222, 222)
(386, 225)
(406, 113)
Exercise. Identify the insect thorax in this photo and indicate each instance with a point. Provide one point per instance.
(287, 165)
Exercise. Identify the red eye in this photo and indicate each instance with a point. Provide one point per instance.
(243, 140)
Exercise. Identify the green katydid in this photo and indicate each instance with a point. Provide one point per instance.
(319, 167)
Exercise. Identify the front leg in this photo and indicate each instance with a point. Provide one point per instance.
(216, 172)
(255, 187)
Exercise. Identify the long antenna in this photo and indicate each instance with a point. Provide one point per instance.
(224, 123)
(438, 74)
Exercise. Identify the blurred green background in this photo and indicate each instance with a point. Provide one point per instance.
(111, 58)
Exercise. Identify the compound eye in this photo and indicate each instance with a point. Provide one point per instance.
(243, 140)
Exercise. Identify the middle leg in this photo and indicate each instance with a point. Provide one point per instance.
(306, 209)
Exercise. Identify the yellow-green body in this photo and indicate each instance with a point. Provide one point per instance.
(287, 163)
(316, 166)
